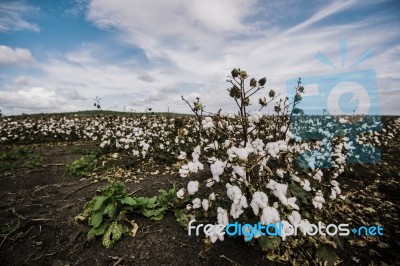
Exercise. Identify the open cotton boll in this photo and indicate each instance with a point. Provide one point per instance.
(333, 194)
(335, 187)
(259, 201)
(184, 171)
(181, 193)
(207, 123)
(196, 203)
(204, 204)
(295, 178)
(291, 202)
(279, 190)
(217, 169)
(182, 155)
(242, 153)
(269, 215)
(318, 175)
(236, 210)
(239, 201)
(212, 196)
(239, 170)
(193, 187)
(222, 216)
(280, 173)
(234, 193)
(318, 200)
(294, 218)
(306, 185)
(210, 182)
(214, 235)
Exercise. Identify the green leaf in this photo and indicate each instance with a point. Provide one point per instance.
(113, 234)
(96, 219)
(298, 192)
(99, 200)
(152, 202)
(272, 256)
(97, 231)
(269, 243)
(141, 201)
(111, 210)
(129, 201)
(326, 252)
(181, 217)
(156, 214)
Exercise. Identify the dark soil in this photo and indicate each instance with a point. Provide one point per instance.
(38, 206)
(37, 213)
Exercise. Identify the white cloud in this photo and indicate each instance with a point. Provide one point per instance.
(147, 78)
(192, 46)
(36, 98)
(23, 80)
(17, 56)
(12, 15)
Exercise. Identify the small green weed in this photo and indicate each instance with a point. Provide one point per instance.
(20, 157)
(106, 212)
(84, 165)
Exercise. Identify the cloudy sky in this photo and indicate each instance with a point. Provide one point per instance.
(59, 55)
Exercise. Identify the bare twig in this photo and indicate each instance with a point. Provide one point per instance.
(134, 192)
(230, 260)
(76, 190)
(119, 261)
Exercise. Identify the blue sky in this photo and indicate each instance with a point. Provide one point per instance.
(59, 55)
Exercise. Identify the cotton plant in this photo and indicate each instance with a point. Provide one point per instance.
(256, 157)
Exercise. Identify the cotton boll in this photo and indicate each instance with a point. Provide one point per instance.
(318, 200)
(182, 155)
(193, 187)
(217, 169)
(279, 190)
(269, 215)
(295, 178)
(222, 216)
(239, 201)
(318, 176)
(227, 143)
(242, 153)
(181, 193)
(212, 196)
(259, 201)
(239, 170)
(205, 205)
(184, 171)
(306, 185)
(294, 218)
(291, 202)
(196, 203)
(214, 235)
(333, 194)
(280, 173)
(210, 182)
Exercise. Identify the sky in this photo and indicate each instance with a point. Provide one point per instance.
(58, 56)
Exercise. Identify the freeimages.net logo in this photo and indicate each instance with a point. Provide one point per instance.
(340, 95)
